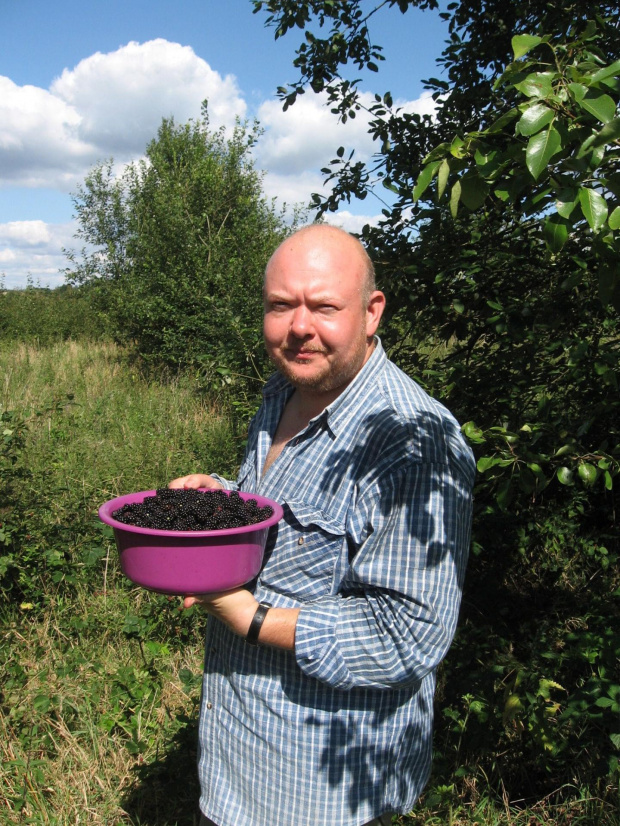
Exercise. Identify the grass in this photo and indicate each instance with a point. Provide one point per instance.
(101, 680)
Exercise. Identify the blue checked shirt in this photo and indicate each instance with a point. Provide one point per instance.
(376, 494)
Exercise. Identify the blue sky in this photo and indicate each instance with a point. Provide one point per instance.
(84, 81)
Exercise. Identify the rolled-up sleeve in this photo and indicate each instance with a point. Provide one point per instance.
(394, 616)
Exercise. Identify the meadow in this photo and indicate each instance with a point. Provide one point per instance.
(100, 679)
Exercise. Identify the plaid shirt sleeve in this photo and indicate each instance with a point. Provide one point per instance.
(396, 611)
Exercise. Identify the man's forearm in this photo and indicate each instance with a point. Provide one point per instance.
(236, 609)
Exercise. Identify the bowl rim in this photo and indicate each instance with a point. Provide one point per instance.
(106, 510)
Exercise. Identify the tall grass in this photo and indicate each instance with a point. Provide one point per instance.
(100, 681)
(97, 425)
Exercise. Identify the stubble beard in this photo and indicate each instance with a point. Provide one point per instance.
(330, 378)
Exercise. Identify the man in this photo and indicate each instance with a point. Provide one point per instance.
(319, 678)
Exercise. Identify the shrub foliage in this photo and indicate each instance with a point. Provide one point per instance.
(498, 255)
(177, 246)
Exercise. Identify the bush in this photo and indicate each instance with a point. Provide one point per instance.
(182, 240)
(44, 316)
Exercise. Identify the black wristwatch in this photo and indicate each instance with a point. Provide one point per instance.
(257, 623)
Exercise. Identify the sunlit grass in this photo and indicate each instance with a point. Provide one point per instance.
(99, 680)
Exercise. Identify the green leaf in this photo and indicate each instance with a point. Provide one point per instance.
(504, 494)
(603, 107)
(537, 85)
(540, 149)
(523, 43)
(42, 703)
(594, 207)
(609, 133)
(486, 161)
(499, 124)
(455, 197)
(614, 219)
(578, 90)
(442, 177)
(437, 153)
(486, 462)
(534, 119)
(457, 147)
(608, 71)
(424, 179)
(473, 433)
(473, 191)
(565, 476)
(555, 231)
(566, 202)
(587, 473)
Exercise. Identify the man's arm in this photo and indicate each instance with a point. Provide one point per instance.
(395, 615)
(236, 609)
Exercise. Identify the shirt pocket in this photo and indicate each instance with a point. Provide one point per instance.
(306, 551)
(246, 478)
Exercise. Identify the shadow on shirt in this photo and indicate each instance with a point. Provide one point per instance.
(430, 450)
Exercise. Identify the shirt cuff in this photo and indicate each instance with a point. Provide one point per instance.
(225, 483)
(316, 645)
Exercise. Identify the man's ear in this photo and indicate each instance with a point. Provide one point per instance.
(374, 311)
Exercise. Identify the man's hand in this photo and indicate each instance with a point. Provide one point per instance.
(236, 609)
(195, 481)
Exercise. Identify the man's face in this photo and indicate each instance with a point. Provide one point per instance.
(317, 329)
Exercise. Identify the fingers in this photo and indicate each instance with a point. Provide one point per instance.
(203, 600)
(194, 481)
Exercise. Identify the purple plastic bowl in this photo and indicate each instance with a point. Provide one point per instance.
(189, 562)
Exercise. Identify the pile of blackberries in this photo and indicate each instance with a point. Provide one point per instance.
(192, 510)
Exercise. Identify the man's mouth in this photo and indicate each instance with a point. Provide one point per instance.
(304, 352)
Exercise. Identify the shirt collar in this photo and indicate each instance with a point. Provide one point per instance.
(338, 413)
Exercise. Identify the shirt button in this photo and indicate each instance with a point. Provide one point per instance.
(300, 541)
(209, 706)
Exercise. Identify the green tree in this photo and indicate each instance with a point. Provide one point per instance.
(177, 245)
(498, 254)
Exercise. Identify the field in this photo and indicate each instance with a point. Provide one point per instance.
(101, 681)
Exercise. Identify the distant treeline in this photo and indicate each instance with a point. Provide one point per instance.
(43, 315)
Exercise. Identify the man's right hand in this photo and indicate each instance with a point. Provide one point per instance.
(194, 481)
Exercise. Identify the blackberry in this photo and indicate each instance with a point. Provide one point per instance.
(192, 510)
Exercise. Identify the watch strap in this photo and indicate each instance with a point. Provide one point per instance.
(257, 624)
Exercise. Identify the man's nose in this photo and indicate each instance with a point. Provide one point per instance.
(301, 322)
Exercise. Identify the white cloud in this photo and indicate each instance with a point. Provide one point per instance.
(348, 221)
(34, 249)
(307, 135)
(29, 233)
(424, 105)
(298, 143)
(122, 96)
(108, 105)
(39, 144)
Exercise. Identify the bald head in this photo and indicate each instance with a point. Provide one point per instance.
(321, 311)
(325, 240)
